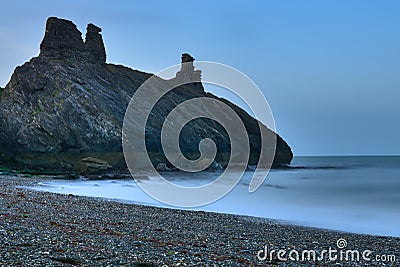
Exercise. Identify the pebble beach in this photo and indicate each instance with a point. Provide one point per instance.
(45, 229)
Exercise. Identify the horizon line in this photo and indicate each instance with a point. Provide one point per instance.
(349, 155)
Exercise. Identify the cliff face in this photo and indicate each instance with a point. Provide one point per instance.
(68, 104)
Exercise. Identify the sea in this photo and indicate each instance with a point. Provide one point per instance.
(359, 194)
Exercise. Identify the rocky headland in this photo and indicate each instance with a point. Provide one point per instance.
(63, 110)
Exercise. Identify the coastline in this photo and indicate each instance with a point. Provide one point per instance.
(41, 228)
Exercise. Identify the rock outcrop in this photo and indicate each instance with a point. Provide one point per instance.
(63, 41)
(89, 165)
(187, 72)
(94, 44)
(68, 105)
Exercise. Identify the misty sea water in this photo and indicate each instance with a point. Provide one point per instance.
(359, 194)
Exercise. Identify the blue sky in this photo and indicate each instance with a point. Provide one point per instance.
(329, 69)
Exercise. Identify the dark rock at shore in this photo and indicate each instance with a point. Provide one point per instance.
(68, 104)
(90, 165)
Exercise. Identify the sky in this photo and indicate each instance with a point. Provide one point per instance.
(330, 70)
